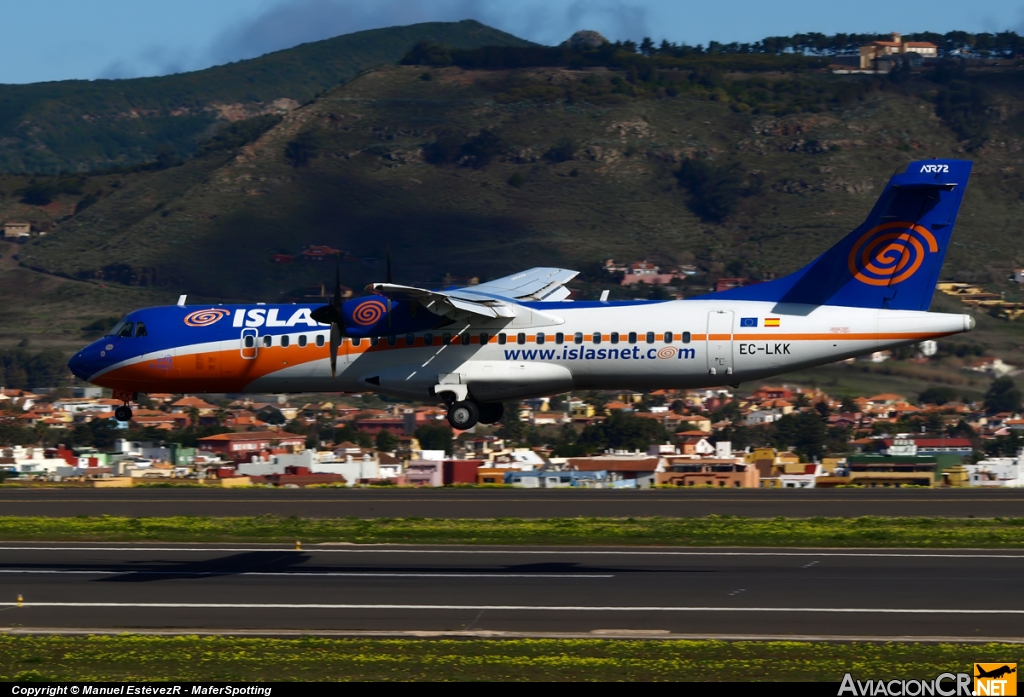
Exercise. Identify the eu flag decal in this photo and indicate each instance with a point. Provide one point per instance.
(748, 321)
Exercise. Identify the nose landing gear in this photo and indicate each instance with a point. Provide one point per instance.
(124, 412)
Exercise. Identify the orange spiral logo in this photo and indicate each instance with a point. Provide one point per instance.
(204, 318)
(890, 253)
(667, 352)
(368, 313)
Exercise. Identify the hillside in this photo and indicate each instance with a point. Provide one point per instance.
(77, 125)
(481, 173)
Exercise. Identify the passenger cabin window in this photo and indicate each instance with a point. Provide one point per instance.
(668, 337)
(302, 340)
(578, 337)
(686, 337)
(540, 339)
(559, 338)
(249, 341)
(268, 340)
(319, 339)
(392, 340)
(596, 338)
(374, 341)
(502, 338)
(520, 338)
(615, 337)
(484, 338)
(126, 330)
(632, 337)
(650, 337)
(428, 339)
(357, 340)
(410, 339)
(140, 330)
(446, 339)
(285, 340)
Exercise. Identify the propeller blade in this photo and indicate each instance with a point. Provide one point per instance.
(335, 343)
(337, 282)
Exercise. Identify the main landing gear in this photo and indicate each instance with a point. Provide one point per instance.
(465, 414)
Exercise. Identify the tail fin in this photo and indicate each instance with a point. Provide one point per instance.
(893, 259)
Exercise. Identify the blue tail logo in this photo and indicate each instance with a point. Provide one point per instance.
(892, 260)
(891, 253)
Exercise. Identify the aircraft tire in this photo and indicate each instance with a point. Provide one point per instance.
(491, 412)
(463, 415)
(123, 413)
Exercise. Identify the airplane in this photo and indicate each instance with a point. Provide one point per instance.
(520, 336)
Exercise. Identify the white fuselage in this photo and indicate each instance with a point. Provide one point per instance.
(643, 346)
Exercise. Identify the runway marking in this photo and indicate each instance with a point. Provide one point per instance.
(299, 573)
(529, 608)
(815, 552)
(425, 499)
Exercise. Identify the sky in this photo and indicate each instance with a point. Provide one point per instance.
(46, 40)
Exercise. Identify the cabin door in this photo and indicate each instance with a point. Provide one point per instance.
(720, 342)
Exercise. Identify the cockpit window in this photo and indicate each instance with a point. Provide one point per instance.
(140, 330)
(126, 330)
(116, 330)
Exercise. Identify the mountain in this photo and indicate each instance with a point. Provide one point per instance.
(483, 172)
(77, 125)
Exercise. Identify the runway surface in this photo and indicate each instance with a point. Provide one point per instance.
(516, 503)
(593, 591)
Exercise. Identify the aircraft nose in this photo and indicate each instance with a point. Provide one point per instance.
(79, 366)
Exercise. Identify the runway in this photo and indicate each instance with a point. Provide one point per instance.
(512, 503)
(479, 590)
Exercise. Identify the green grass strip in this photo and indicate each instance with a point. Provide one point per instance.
(707, 531)
(192, 658)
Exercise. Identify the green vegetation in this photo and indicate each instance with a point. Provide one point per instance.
(133, 658)
(695, 532)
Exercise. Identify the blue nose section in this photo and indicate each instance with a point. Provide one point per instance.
(77, 365)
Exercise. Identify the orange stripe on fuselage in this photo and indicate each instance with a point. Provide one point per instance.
(228, 371)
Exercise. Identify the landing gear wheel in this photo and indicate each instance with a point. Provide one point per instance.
(123, 413)
(491, 412)
(463, 415)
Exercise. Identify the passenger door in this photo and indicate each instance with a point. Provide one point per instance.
(719, 342)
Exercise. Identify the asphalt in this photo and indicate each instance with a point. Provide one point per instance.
(518, 503)
(582, 591)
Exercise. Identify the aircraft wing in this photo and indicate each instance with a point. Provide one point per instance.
(446, 304)
(537, 284)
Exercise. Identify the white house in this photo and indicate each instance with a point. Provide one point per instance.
(760, 418)
(997, 471)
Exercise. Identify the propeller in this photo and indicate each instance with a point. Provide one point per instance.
(331, 314)
(389, 282)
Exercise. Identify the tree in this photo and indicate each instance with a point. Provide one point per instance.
(804, 430)
(1003, 395)
(387, 441)
(562, 151)
(937, 395)
(849, 406)
(363, 439)
(435, 438)
(301, 150)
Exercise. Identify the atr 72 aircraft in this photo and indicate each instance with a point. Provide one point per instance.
(520, 337)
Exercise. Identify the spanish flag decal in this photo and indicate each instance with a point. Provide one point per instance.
(771, 321)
